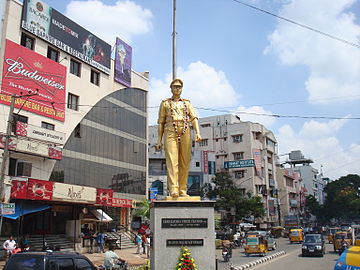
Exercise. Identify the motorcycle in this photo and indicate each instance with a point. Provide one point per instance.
(119, 265)
(226, 253)
(343, 247)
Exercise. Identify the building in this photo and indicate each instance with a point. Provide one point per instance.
(202, 168)
(78, 143)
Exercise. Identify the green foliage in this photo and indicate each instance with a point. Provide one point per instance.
(146, 266)
(142, 209)
(230, 197)
(343, 198)
(185, 261)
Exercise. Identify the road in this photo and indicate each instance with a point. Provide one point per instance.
(291, 260)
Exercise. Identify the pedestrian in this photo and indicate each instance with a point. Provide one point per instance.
(143, 242)
(138, 243)
(92, 237)
(9, 245)
(100, 242)
(147, 244)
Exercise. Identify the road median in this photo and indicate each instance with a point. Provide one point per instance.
(259, 261)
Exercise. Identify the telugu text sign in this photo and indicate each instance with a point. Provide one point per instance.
(184, 223)
(184, 242)
(26, 72)
(239, 164)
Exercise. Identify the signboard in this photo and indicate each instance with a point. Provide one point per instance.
(239, 164)
(153, 193)
(257, 159)
(104, 196)
(39, 133)
(123, 55)
(206, 162)
(27, 72)
(18, 189)
(126, 203)
(8, 208)
(74, 193)
(39, 190)
(184, 223)
(184, 242)
(50, 25)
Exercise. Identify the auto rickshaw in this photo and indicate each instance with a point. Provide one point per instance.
(355, 231)
(339, 236)
(296, 235)
(256, 244)
(277, 231)
(331, 233)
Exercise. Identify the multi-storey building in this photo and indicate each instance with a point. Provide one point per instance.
(79, 137)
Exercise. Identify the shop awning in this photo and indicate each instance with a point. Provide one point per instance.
(101, 215)
(29, 207)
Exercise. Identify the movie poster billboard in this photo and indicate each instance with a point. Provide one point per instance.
(26, 72)
(48, 24)
(123, 55)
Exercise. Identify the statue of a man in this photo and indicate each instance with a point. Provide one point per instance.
(175, 116)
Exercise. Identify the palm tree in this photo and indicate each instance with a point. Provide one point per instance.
(142, 209)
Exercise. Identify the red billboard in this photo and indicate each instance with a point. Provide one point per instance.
(40, 190)
(26, 72)
(104, 196)
(18, 189)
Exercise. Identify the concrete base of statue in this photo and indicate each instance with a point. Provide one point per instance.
(178, 223)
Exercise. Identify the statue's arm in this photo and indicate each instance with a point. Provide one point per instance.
(195, 124)
(161, 124)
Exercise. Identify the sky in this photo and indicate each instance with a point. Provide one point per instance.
(237, 59)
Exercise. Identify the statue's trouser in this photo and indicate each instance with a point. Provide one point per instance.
(178, 156)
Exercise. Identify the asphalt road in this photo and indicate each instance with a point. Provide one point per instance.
(291, 260)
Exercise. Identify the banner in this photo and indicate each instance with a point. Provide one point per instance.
(123, 55)
(74, 193)
(39, 190)
(257, 159)
(118, 202)
(26, 72)
(39, 133)
(18, 189)
(50, 25)
(104, 196)
(206, 162)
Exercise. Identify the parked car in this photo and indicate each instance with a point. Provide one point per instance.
(48, 260)
(314, 244)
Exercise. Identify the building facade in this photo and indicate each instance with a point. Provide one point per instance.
(79, 126)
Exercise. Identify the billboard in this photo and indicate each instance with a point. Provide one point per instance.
(39, 190)
(74, 193)
(26, 72)
(123, 55)
(38, 133)
(239, 164)
(48, 24)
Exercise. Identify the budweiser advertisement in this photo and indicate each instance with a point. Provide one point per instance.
(18, 189)
(26, 72)
(104, 196)
(40, 190)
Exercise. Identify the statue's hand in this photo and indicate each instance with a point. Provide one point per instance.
(198, 138)
(158, 147)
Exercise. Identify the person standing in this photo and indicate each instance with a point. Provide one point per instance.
(147, 244)
(100, 242)
(138, 243)
(175, 116)
(9, 245)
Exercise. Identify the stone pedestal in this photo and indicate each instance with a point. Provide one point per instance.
(182, 223)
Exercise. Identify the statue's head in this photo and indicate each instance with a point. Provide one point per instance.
(176, 86)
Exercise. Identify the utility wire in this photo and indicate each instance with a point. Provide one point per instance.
(299, 24)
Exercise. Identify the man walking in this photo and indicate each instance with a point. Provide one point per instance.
(9, 245)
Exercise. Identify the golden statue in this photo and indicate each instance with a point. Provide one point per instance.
(175, 116)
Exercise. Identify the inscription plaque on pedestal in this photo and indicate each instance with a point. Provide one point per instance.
(184, 223)
(184, 242)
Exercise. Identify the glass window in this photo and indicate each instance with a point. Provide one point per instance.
(197, 164)
(203, 142)
(27, 41)
(53, 54)
(237, 138)
(239, 174)
(28, 263)
(47, 125)
(95, 77)
(75, 67)
(77, 131)
(238, 155)
(82, 264)
(19, 168)
(18, 118)
(73, 102)
(66, 264)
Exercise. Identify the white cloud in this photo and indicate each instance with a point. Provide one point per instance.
(204, 86)
(324, 148)
(256, 114)
(334, 70)
(124, 19)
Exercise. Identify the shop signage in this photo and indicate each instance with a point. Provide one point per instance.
(184, 242)
(126, 203)
(257, 159)
(39, 189)
(239, 164)
(123, 55)
(26, 72)
(39, 133)
(104, 196)
(50, 25)
(18, 189)
(7, 208)
(74, 193)
(184, 223)
(206, 162)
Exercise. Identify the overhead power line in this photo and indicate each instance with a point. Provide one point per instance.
(299, 24)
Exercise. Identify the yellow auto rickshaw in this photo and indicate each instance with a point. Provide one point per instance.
(338, 238)
(256, 244)
(296, 235)
(277, 231)
(331, 233)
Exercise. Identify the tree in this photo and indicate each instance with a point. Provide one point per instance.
(142, 209)
(231, 198)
